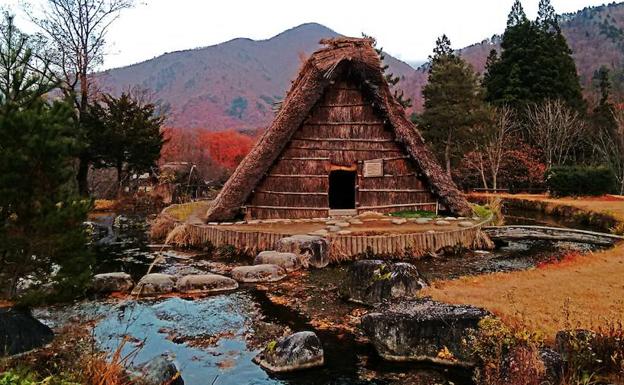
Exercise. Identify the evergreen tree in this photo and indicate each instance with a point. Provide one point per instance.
(40, 214)
(535, 63)
(126, 134)
(453, 103)
(603, 119)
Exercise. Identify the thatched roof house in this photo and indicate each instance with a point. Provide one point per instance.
(339, 144)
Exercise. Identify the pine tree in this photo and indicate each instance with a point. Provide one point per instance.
(517, 16)
(40, 214)
(602, 117)
(547, 17)
(453, 103)
(126, 134)
(535, 64)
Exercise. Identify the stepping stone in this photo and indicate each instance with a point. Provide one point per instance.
(442, 223)
(226, 223)
(240, 223)
(310, 249)
(154, 284)
(331, 222)
(213, 223)
(344, 232)
(417, 330)
(465, 224)
(287, 261)
(422, 221)
(258, 273)
(399, 221)
(431, 232)
(298, 351)
(334, 229)
(112, 282)
(205, 283)
(343, 224)
(356, 222)
(450, 219)
(254, 222)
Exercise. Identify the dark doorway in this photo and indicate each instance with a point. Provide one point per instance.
(342, 189)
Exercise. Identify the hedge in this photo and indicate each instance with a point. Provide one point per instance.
(580, 180)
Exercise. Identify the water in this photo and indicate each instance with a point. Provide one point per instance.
(214, 339)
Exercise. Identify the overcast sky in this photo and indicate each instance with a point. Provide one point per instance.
(406, 29)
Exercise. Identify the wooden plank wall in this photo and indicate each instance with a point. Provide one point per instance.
(343, 130)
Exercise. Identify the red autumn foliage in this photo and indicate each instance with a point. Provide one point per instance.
(216, 154)
(226, 148)
(521, 170)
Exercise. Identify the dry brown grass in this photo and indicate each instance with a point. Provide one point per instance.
(583, 292)
(99, 370)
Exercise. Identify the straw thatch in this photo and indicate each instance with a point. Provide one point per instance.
(339, 112)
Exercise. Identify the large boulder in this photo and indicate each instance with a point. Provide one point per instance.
(313, 250)
(298, 351)
(287, 261)
(205, 283)
(373, 281)
(112, 282)
(258, 273)
(21, 332)
(154, 284)
(423, 330)
(158, 371)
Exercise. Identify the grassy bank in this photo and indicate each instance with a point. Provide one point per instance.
(582, 291)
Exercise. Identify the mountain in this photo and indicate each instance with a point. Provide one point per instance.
(232, 85)
(595, 35)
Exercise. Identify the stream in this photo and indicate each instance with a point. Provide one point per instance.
(213, 339)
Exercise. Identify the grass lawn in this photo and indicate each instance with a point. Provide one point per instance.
(580, 292)
(182, 212)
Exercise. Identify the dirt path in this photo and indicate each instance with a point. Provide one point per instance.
(580, 292)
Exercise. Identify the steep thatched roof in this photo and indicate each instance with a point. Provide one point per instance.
(324, 66)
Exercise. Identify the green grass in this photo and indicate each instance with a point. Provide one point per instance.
(413, 214)
(482, 211)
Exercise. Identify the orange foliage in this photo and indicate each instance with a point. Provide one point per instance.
(216, 154)
(226, 148)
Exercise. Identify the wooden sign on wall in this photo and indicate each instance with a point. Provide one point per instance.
(373, 168)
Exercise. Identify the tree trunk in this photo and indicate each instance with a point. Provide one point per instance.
(82, 175)
(447, 154)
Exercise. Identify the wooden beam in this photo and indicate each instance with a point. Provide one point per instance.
(387, 159)
(394, 190)
(287, 208)
(344, 123)
(345, 149)
(345, 105)
(298, 176)
(303, 158)
(290, 192)
(397, 206)
(346, 140)
(389, 176)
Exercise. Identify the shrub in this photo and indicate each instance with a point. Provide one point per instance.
(580, 180)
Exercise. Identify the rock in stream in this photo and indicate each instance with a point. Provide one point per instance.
(423, 330)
